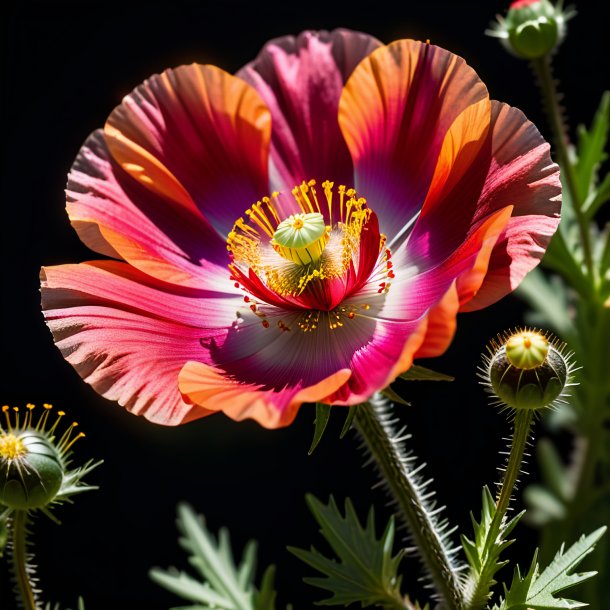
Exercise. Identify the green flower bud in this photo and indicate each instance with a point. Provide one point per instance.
(527, 370)
(32, 463)
(532, 28)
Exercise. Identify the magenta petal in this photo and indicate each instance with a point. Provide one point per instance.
(128, 335)
(394, 113)
(301, 80)
(521, 173)
(117, 216)
(197, 135)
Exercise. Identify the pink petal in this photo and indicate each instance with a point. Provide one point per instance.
(117, 216)
(204, 385)
(197, 136)
(128, 335)
(394, 113)
(301, 80)
(521, 173)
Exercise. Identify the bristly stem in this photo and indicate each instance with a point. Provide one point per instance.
(478, 587)
(522, 426)
(21, 568)
(542, 69)
(373, 422)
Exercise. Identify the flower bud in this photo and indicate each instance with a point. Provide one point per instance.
(32, 461)
(32, 470)
(527, 370)
(532, 28)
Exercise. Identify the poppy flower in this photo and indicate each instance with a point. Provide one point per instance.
(298, 232)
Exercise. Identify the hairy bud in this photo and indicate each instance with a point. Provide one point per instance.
(532, 28)
(33, 461)
(526, 370)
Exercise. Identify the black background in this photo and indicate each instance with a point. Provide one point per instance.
(65, 65)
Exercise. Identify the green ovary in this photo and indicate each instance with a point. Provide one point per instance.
(301, 238)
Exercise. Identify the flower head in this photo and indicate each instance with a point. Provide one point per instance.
(299, 232)
(532, 28)
(527, 369)
(35, 460)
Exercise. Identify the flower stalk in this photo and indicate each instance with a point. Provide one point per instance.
(521, 431)
(22, 570)
(543, 70)
(373, 422)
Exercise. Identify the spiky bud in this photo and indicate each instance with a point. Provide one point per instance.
(532, 28)
(526, 369)
(33, 462)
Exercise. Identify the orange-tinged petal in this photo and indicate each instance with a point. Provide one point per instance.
(198, 136)
(394, 113)
(206, 386)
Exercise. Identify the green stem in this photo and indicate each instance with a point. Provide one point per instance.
(24, 587)
(542, 68)
(374, 425)
(521, 432)
(478, 585)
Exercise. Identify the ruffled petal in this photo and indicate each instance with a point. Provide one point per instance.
(197, 136)
(394, 113)
(205, 385)
(117, 216)
(521, 173)
(301, 80)
(442, 323)
(128, 335)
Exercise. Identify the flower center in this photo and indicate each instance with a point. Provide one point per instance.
(301, 238)
(11, 447)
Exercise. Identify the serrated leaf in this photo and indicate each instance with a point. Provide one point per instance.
(591, 148)
(366, 571)
(537, 591)
(223, 585)
(421, 373)
(321, 421)
(483, 553)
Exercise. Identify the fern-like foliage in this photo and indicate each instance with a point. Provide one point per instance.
(222, 584)
(536, 591)
(366, 570)
(483, 553)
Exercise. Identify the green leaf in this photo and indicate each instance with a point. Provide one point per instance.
(391, 394)
(351, 413)
(366, 571)
(321, 421)
(590, 150)
(537, 591)
(597, 198)
(223, 585)
(483, 554)
(421, 373)
(548, 298)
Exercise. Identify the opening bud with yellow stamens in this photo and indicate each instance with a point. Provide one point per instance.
(33, 461)
(301, 238)
(527, 369)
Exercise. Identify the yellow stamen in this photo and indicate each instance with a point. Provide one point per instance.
(11, 447)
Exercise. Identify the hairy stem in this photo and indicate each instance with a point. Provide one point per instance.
(521, 432)
(542, 69)
(479, 583)
(375, 426)
(21, 570)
